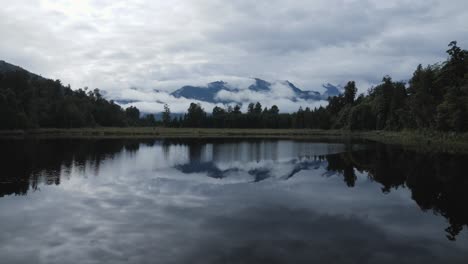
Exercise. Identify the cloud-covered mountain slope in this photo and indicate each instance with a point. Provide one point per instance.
(218, 92)
(286, 95)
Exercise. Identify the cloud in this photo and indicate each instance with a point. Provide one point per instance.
(119, 44)
(278, 96)
(153, 101)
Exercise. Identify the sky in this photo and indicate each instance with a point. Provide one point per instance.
(116, 45)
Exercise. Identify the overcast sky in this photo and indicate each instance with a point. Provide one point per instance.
(115, 45)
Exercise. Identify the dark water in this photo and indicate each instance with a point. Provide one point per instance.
(229, 201)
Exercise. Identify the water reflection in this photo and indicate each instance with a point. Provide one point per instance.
(229, 201)
(27, 163)
(437, 181)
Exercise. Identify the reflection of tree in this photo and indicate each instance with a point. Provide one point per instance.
(437, 180)
(342, 164)
(227, 148)
(27, 163)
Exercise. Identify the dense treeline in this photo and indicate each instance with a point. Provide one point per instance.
(436, 97)
(30, 101)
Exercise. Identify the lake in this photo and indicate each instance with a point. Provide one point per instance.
(229, 201)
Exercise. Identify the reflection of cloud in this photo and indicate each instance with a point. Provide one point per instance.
(293, 235)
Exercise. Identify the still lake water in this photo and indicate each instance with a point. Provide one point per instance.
(229, 201)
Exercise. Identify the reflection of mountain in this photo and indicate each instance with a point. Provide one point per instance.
(260, 172)
(209, 168)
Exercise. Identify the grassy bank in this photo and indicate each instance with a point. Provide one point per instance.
(160, 132)
(421, 140)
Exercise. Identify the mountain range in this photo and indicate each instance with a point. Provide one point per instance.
(210, 92)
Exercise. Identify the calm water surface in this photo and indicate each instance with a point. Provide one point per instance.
(229, 201)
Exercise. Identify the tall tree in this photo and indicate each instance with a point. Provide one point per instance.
(350, 92)
(258, 108)
(166, 115)
(251, 108)
(195, 116)
(274, 110)
(133, 115)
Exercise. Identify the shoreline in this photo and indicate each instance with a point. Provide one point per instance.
(419, 140)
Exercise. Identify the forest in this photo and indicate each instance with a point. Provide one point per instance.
(435, 98)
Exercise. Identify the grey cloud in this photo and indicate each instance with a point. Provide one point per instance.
(115, 45)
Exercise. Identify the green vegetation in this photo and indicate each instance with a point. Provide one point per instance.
(435, 100)
(30, 101)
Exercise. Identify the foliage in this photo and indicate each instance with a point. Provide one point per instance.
(435, 98)
(30, 101)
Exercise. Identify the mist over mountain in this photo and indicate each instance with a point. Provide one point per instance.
(219, 91)
(286, 95)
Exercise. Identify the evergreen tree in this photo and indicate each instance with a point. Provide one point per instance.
(166, 115)
(195, 116)
(350, 91)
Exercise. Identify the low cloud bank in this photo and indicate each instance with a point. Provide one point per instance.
(279, 94)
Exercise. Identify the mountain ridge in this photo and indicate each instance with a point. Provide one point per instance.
(209, 92)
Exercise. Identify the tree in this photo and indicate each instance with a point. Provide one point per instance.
(456, 67)
(166, 115)
(133, 115)
(195, 116)
(299, 118)
(258, 108)
(350, 92)
(218, 112)
(274, 110)
(452, 114)
(148, 120)
(335, 104)
(424, 96)
(382, 99)
(237, 110)
(362, 118)
(251, 108)
(218, 115)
